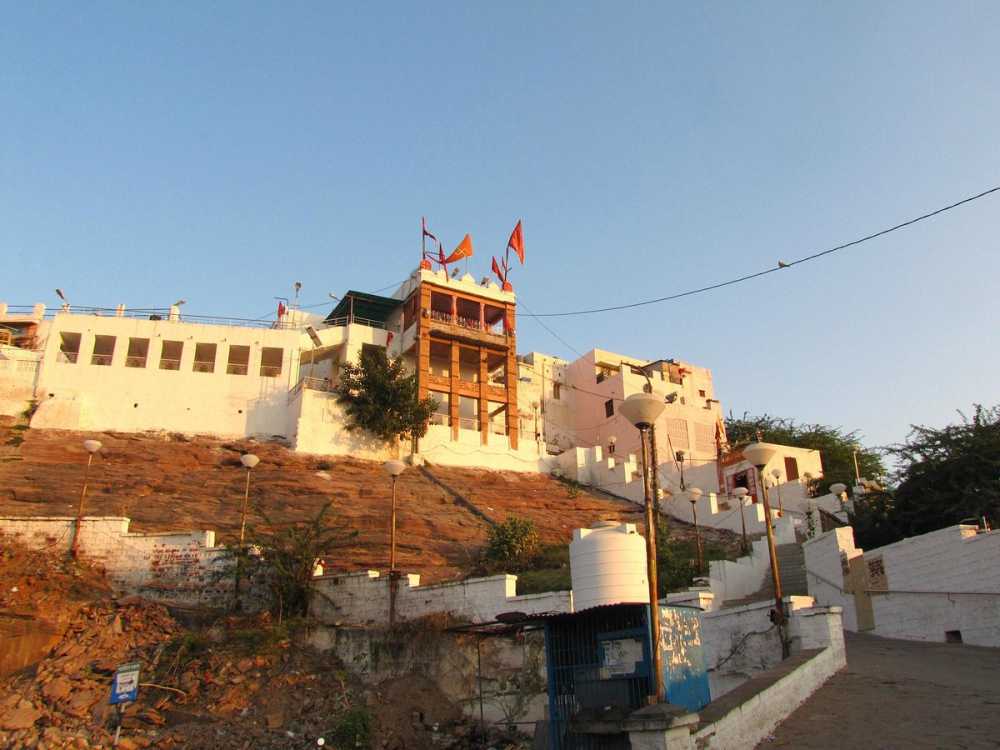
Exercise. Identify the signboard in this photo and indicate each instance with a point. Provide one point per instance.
(125, 687)
(620, 657)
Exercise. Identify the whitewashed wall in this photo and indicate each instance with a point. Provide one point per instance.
(363, 599)
(181, 567)
(921, 588)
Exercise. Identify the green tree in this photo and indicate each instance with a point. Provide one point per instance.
(512, 545)
(288, 555)
(836, 447)
(381, 398)
(947, 475)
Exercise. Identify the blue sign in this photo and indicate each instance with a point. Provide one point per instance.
(125, 687)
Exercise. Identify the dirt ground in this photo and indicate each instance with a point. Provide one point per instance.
(902, 694)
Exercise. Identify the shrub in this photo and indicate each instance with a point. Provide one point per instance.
(512, 544)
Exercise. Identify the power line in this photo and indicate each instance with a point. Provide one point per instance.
(782, 266)
(536, 318)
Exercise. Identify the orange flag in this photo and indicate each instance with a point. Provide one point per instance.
(516, 242)
(464, 250)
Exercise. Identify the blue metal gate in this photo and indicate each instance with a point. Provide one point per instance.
(595, 659)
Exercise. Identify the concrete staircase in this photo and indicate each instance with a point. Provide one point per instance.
(792, 565)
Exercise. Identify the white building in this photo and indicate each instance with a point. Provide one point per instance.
(164, 370)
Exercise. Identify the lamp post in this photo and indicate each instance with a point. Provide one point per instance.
(249, 460)
(393, 469)
(91, 446)
(776, 473)
(642, 409)
(694, 495)
(741, 497)
(759, 454)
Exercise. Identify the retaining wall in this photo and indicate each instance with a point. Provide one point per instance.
(363, 599)
(183, 567)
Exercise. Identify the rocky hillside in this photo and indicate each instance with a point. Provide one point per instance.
(166, 482)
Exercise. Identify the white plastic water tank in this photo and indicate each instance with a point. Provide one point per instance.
(608, 566)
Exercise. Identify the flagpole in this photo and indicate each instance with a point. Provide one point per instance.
(423, 237)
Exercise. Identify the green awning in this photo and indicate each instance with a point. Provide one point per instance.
(366, 306)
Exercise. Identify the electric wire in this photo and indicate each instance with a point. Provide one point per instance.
(774, 269)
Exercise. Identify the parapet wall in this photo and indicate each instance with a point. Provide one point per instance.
(934, 587)
(363, 599)
(183, 567)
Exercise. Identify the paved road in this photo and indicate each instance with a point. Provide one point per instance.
(901, 694)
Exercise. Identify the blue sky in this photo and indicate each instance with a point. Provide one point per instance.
(221, 151)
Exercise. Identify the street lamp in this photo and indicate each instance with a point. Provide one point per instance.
(249, 460)
(741, 497)
(680, 463)
(776, 473)
(642, 409)
(759, 454)
(91, 446)
(694, 495)
(393, 469)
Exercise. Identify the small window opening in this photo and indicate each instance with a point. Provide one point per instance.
(104, 350)
(239, 360)
(953, 636)
(440, 359)
(468, 365)
(170, 355)
(138, 352)
(69, 348)
(270, 361)
(204, 358)
(557, 391)
(609, 408)
(701, 393)
(442, 410)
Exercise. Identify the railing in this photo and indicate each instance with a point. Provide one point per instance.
(270, 371)
(313, 384)
(170, 364)
(355, 320)
(203, 366)
(471, 323)
(67, 358)
(135, 361)
(103, 360)
(234, 368)
(443, 317)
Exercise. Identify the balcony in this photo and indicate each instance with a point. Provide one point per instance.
(135, 361)
(170, 364)
(104, 360)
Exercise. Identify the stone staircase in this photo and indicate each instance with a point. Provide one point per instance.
(792, 565)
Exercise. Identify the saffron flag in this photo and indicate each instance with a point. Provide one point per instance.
(516, 241)
(496, 270)
(464, 250)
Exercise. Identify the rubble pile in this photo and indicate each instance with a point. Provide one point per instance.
(231, 683)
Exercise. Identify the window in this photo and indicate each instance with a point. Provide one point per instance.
(239, 360)
(468, 365)
(701, 393)
(791, 469)
(442, 409)
(468, 413)
(170, 355)
(270, 361)
(69, 348)
(204, 358)
(104, 350)
(556, 391)
(468, 313)
(496, 369)
(440, 359)
(609, 408)
(138, 352)
(494, 319)
(441, 307)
